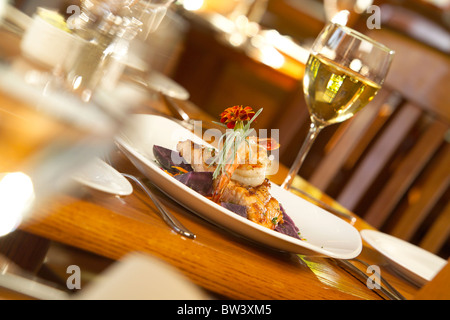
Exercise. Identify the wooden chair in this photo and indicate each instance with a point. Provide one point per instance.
(391, 163)
(427, 29)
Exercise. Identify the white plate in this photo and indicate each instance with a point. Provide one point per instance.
(415, 263)
(326, 235)
(161, 83)
(101, 176)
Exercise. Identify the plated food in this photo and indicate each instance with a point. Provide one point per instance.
(326, 235)
(252, 202)
(233, 176)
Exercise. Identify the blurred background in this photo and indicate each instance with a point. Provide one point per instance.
(252, 52)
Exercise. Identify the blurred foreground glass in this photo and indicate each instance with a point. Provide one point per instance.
(343, 74)
(2, 7)
(44, 137)
(46, 131)
(108, 27)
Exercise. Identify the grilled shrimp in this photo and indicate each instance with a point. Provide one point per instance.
(198, 156)
(242, 181)
(248, 168)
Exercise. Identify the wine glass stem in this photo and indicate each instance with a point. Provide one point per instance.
(313, 132)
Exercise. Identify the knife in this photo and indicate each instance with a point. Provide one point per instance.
(174, 107)
(326, 206)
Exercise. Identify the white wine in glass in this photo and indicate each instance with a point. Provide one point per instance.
(343, 74)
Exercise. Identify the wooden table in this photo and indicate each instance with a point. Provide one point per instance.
(216, 260)
(224, 264)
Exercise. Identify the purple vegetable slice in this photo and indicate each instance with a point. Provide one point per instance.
(236, 208)
(201, 182)
(288, 226)
(169, 159)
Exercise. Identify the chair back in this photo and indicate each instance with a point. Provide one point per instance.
(391, 162)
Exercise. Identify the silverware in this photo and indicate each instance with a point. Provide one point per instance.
(174, 108)
(387, 290)
(178, 112)
(164, 213)
(326, 206)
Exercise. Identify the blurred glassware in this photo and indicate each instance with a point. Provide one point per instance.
(343, 74)
(253, 9)
(47, 42)
(45, 136)
(354, 9)
(47, 133)
(163, 48)
(108, 26)
(246, 18)
(2, 8)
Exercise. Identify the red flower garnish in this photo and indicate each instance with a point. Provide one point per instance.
(236, 113)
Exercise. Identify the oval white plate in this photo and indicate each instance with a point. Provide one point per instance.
(101, 176)
(413, 262)
(161, 83)
(326, 235)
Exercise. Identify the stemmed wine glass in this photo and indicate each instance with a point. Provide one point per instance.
(343, 74)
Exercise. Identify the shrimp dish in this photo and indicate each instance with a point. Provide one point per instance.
(233, 177)
(243, 182)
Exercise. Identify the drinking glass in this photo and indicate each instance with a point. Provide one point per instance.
(108, 27)
(353, 8)
(47, 132)
(45, 136)
(343, 74)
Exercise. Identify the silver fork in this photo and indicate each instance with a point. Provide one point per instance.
(168, 218)
(176, 225)
(387, 290)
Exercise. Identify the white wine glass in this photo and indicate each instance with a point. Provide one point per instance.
(343, 74)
